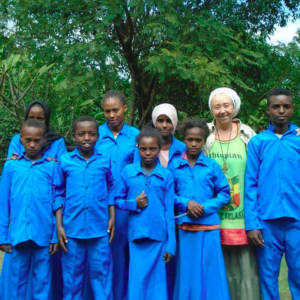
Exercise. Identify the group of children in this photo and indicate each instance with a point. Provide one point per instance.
(110, 206)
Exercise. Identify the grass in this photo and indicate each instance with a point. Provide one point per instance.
(283, 285)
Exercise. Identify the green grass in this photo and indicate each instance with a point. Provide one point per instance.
(283, 285)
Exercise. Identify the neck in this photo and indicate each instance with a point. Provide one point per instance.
(116, 129)
(281, 129)
(148, 167)
(167, 142)
(193, 158)
(224, 126)
(86, 155)
(34, 158)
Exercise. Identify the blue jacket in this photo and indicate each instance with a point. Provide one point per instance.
(176, 149)
(272, 182)
(156, 221)
(88, 193)
(205, 183)
(28, 193)
(121, 151)
(56, 150)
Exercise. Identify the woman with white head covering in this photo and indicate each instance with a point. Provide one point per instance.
(227, 144)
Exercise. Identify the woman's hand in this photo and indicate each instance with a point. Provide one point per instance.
(53, 248)
(194, 209)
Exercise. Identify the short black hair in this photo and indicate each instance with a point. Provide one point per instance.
(115, 94)
(276, 92)
(150, 131)
(36, 124)
(192, 122)
(84, 119)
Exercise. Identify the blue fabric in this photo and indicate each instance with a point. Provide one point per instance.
(272, 182)
(200, 268)
(24, 257)
(56, 150)
(28, 193)
(94, 253)
(156, 220)
(176, 149)
(88, 193)
(121, 151)
(205, 183)
(281, 236)
(147, 270)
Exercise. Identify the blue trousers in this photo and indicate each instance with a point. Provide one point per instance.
(147, 270)
(280, 236)
(87, 254)
(201, 273)
(24, 258)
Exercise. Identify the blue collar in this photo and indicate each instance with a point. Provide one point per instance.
(292, 128)
(157, 171)
(105, 131)
(22, 156)
(75, 152)
(201, 160)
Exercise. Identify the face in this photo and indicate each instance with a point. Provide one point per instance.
(85, 137)
(280, 109)
(33, 140)
(164, 125)
(194, 140)
(36, 112)
(114, 112)
(148, 149)
(222, 108)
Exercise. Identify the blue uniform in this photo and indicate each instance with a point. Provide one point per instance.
(121, 149)
(272, 192)
(28, 191)
(151, 228)
(56, 150)
(88, 193)
(200, 271)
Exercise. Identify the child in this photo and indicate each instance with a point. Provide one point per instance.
(146, 190)
(119, 140)
(27, 225)
(201, 190)
(84, 226)
(272, 207)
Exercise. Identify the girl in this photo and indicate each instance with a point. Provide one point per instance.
(201, 190)
(55, 144)
(146, 190)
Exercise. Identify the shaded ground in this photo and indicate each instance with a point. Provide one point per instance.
(283, 285)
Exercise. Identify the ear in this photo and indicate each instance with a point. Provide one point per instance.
(21, 138)
(73, 137)
(125, 107)
(267, 109)
(45, 138)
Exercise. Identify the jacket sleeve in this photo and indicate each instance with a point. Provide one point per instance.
(61, 148)
(14, 146)
(137, 156)
(5, 185)
(121, 195)
(169, 211)
(59, 188)
(251, 187)
(221, 190)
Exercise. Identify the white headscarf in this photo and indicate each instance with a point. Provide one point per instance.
(236, 101)
(165, 109)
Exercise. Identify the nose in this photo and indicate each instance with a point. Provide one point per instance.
(147, 153)
(165, 124)
(222, 109)
(111, 114)
(281, 109)
(32, 145)
(86, 137)
(193, 143)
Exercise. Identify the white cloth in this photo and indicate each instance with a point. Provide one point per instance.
(236, 101)
(168, 110)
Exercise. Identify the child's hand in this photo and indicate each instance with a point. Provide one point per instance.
(142, 200)
(167, 257)
(255, 238)
(195, 210)
(111, 229)
(62, 238)
(53, 248)
(6, 248)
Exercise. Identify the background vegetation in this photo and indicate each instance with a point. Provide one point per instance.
(70, 53)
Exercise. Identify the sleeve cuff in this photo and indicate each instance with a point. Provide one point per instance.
(56, 206)
(253, 225)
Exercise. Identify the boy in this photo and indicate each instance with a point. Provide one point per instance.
(201, 190)
(146, 190)
(272, 207)
(27, 225)
(84, 225)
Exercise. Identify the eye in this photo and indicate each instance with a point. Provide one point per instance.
(116, 110)
(153, 149)
(106, 111)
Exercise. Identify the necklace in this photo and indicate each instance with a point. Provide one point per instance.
(224, 167)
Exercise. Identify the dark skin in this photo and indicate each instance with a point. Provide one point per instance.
(149, 149)
(36, 112)
(194, 140)
(85, 138)
(33, 140)
(114, 113)
(280, 110)
(165, 127)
